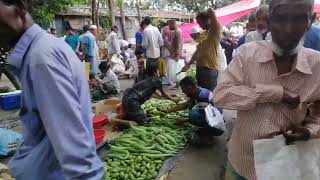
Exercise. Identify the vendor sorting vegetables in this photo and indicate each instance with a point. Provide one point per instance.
(134, 97)
(105, 84)
(199, 99)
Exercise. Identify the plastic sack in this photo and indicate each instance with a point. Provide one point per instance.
(277, 161)
(8, 141)
(214, 117)
(174, 68)
(117, 65)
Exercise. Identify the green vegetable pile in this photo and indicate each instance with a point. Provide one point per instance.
(192, 72)
(154, 107)
(140, 152)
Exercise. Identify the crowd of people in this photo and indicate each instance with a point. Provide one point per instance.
(272, 80)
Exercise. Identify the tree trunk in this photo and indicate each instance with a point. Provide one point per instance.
(93, 11)
(111, 12)
(138, 10)
(123, 21)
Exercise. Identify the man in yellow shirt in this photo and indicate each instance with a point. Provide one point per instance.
(206, 55)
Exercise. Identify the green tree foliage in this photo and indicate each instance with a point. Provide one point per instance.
(43, 11)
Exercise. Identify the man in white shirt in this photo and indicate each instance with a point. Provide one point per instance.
(262, 31)
(113, 42)
(152, 41)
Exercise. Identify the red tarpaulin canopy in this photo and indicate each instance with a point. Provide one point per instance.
(226, 15)
(317, 6)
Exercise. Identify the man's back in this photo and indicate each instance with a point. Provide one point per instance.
(88, 41)
(152, 41)
(56, 110)
(113, 43)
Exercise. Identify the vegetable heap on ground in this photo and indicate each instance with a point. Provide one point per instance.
(139, 153)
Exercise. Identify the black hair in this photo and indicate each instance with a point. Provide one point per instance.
(147, 20)
(104, 66)
(138, 53)
(86, 28)
(202, 15)
(188, 81)
(252, 17)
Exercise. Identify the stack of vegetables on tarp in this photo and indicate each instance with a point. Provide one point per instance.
(140, 153)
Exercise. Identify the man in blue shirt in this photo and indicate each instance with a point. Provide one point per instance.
(139, 37)
(72, 39)
(56, 109)
(88, 45)
(312, 38)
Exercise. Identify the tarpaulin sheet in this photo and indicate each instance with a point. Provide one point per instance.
(317, 6)
(225, 15)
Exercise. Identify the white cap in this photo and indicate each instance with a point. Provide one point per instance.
(93, 27)
(195, 29)
(123, 43)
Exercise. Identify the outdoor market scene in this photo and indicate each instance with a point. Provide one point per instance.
(160, 90)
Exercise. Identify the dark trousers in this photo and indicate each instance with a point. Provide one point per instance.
(152, 66)
(131, 103)
(207, 78)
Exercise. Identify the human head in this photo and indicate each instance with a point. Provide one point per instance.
(139, 54)
(251, 26)
(14, 21)
(104, 66)
(203, 20)
(189, 86)
(53, 31)
(147, 20)
(262, 19)
(172, 24)
(115, 28)
(289, 20)
(94, 29)
(195, 32)
(142, 25)
(86, 28)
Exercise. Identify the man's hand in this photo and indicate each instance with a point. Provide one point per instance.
(211, 12)
(298, 134)
(291, 99)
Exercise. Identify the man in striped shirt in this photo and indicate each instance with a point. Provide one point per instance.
(274, 85)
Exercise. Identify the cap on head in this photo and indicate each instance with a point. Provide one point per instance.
(195, 30)
(93, 27)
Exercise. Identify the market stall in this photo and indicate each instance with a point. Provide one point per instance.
(147, 152)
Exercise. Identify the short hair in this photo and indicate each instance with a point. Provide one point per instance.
(147, 20)
(252, 17)
(86, 28)
(188, 81)
(202, 15)
(114, 27)
(104, 65)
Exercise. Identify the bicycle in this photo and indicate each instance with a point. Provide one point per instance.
(5, 69)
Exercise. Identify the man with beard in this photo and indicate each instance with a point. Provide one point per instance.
(58, 140)
(262, 26)
(274, 86)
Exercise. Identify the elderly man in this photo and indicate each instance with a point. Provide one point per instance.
(58, 140)
(272, 85)
(207, 54)
(262, 26)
